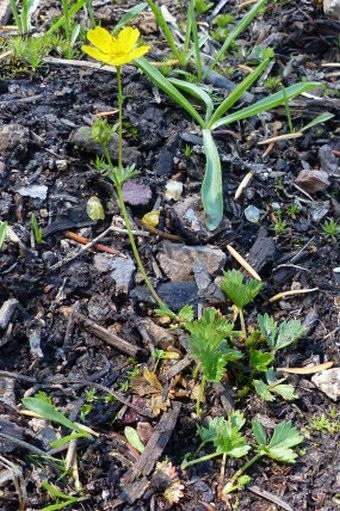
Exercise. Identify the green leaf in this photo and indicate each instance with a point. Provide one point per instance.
(128, 16)
(286, 391)
(196, 92)
(209, 434)
(282, 336)
(166, 86)
(237, 93)
(239, 292)
(212, 191)
(208, 345)
(259, 360)
(228, 438)
(263, 390)
(3, 232)
(272, 101)
(289, 332)
(48, 411)
(132, 437)
(318, 120)
(284, 437)
(61, 21)
(259, 432)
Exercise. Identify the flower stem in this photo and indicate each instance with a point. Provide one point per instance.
(118, 182)
(207, 457)
(139, 262)
(120, 119)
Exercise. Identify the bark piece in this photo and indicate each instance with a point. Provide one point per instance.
(157, 442)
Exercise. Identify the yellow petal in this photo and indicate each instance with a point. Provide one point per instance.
(101, 39)
(139, 52)
(96, 54)
(127, 38)
(119, 60)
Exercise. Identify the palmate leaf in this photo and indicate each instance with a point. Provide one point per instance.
(278, 337)
(259, 360)
(239, 292)
(228, 438)
(279, 448)
(284, 437)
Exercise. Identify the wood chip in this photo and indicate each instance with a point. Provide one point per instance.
(157, 442)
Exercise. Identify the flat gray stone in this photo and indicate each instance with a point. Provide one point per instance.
(13, 136)
(328, 382)
(81, 138)
(177, 260)
(121, 270)
(332, 8)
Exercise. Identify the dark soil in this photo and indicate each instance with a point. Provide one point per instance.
(53, 306)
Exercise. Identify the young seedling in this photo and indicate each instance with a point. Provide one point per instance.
(278, 448)
(279, 336)
(3, 232)
(226, 437)
(274, 386)
(36, 230)
(62, 499)
(209, 347)
(241, 293)
(331, 229)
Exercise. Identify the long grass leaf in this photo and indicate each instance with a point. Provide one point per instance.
(61, 21)
(212, 194)
(196, 92)
(165, 30)
(318, 120)
(239, 90)
(128, 16)
(265, 104)
(165, 85)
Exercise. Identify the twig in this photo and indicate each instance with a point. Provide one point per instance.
(102, 333)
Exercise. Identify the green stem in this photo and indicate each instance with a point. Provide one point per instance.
(246, 466)
(67, 27)
(200, 396)
(140, 265)
(243, 323)
(120, 119)
(117, 178)
(207, 457)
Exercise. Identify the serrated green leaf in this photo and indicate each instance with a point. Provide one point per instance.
(268, 328)
(285, 390)
(209, 434)
(208, 344)
(259, 360)
(240, 292)
(284, 437)
(259, 432)
(289, 332)
(263, 390)
(228, 438)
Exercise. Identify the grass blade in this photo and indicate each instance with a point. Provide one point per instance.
(128, 16)
(272, 101)
(165, 85)
(318, 120)
(196, 92)
(239, 90)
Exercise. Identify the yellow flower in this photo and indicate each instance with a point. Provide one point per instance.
(112, 50)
